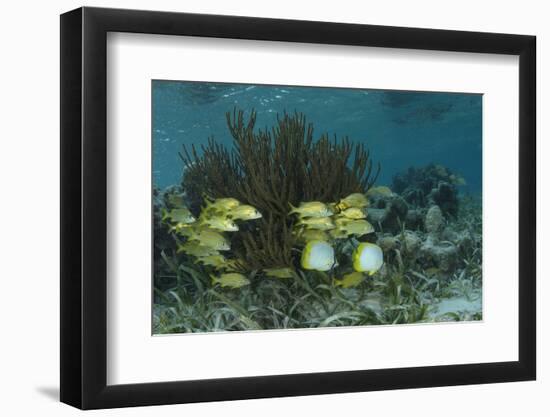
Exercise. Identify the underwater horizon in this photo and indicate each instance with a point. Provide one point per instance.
(300, 207)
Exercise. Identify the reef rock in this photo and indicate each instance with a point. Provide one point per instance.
(449, 234)
(429, 185)
(443, 255)
(388, 213)
(463, 240)
(388, 243)
(376, 217)
(445, 196)
(434, 220)
(414, 219)
(411, 243)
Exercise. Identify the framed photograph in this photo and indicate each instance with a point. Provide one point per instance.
(258, 208)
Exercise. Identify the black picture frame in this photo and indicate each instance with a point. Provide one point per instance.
(84, 207)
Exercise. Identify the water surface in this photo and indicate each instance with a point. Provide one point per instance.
(401, 128)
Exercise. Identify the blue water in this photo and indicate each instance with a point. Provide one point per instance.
(401, 129)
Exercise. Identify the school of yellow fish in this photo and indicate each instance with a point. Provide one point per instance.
(205, 236)
(319, 225)
(332, 221)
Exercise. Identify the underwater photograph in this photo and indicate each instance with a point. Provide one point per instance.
(285, 207)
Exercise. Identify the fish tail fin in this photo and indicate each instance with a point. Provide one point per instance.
(164, 213)
(214, 279)
(336, 283)
(293, 209)
(208, 202)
